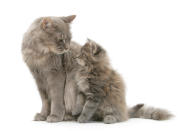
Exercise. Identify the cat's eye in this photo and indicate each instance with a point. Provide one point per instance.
(61, 41)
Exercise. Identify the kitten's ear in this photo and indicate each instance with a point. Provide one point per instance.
(95, 48)
(46, 23)
(68, 19)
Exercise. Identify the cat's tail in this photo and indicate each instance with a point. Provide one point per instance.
(141, 111)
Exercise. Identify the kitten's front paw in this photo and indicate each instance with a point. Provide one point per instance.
(82, 119)
(39, 117)
(54, 118)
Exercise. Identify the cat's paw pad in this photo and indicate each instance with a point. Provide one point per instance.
(54, 118)
(39, 117)
(82, 119)
(109, 119)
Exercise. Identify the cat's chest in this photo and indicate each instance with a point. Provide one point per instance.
(70, 91)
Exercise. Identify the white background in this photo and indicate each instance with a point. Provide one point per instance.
(143, 39)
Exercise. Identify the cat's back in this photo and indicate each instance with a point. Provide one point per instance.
(31, 34)
(114, 89)
(117, 86)
(32, 37)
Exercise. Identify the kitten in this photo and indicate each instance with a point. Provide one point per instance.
(101, 91)
(100, 86)
(47, 50)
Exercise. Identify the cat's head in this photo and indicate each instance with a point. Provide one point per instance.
(53, 33)
(91, 53)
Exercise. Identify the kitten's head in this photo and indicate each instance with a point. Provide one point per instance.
(52, 33)
(91, 53)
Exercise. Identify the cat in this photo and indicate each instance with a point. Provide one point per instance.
(101, 91)
(47, 50)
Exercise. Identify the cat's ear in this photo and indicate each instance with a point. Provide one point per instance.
(68, 19)
(46, 23)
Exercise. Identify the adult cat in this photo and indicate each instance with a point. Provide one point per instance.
(48, 50)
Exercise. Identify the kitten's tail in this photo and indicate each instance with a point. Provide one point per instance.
(140, 111)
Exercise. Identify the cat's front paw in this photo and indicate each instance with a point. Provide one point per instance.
(39, 117)
(69, 117)
(82, 119)
(109, 119)
(54, 118)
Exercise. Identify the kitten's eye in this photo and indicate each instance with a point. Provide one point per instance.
(84, 55)
(97, 51)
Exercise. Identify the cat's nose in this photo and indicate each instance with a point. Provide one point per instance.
(66, 47)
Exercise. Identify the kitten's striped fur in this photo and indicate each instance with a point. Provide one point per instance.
(101, 91)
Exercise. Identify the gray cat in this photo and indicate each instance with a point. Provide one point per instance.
(47, 50)
(101, 92)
